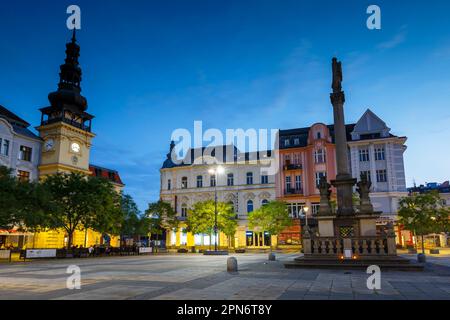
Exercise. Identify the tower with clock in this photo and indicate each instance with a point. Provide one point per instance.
(65, 124)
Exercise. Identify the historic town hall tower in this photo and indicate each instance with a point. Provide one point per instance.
(65, 124)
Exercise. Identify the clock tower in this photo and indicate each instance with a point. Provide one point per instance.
(65, 124)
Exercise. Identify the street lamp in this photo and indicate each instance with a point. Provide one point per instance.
(216, 172)
(305, 213)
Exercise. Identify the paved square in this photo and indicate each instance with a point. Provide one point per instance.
(194, 276)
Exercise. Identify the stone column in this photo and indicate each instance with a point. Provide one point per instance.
(344, 181)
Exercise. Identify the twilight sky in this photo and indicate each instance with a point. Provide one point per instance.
(150, 67)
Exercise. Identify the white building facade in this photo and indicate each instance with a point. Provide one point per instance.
(20, 149)
(243, 183)
(378, 154)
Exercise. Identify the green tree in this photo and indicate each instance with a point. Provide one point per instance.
(201, 218)
(131, 219)
(9, 204)
(77, 201)
(423, 214)
(160, 216)
(272, 217)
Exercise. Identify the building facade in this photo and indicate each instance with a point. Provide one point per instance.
(307, 154)
(243, 183)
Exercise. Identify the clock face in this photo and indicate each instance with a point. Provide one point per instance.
(75, 147)
(49, 144)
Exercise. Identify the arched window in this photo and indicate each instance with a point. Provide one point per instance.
(184, 210)
(264, 202)
(199, 181)
(184, 183)
(249, 177)
(319, 135)
(249, 206)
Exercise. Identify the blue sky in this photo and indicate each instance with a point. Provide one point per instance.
(150, 67)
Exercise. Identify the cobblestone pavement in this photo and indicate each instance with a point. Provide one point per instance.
(193, 276)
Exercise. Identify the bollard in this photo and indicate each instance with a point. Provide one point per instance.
(232, 265)
(421, 258)
(272, 256)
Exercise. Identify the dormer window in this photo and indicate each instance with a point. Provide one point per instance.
(287, 143)
(296, 141)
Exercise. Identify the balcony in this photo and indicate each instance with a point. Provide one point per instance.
(288, 167)
(293, 192)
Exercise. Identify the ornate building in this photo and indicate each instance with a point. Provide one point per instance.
(244, 184)
(307, 154)
(63, 146)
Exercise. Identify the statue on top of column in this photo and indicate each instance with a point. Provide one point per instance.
(337, 76)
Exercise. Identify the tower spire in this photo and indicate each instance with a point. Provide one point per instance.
(69, 86)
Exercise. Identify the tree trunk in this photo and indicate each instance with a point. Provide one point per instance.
(423, 247)
(70, 239)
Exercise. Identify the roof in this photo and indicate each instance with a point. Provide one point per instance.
(12, 117)
(302, 135)
(204, 152)
(19, 125)
(109, 174)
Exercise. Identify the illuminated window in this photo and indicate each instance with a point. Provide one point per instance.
(23, 176)
(25, 153)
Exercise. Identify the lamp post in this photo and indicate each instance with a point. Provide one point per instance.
(218, 170)
(305, 213)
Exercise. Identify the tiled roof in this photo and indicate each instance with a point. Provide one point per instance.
(100, 172)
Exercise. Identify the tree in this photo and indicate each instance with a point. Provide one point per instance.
(20, 201)
(272, 217)
(77, 201)
(160, 216)
(423, 214)
(201, 218)
(131, 219)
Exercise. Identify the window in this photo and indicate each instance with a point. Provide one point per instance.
(4, 147)
(230, 179)
(296, 141)
(264, 202)
(23, 176)
(296, 158)
(315, 208)
(183, 237)
(367, 175)
(249, 206)
(288, 183)
(184, 210)
(25, 153)
(381, 176)
(199, 181)
(295, 209)
(287, 142)
(264, 179)
(363, 155)
(212, 180)
(319, 156)
(379, 153)
(319, 175)
(184, 183)
(169, 184)
(249, 177)
(319, 135)
(298, 182)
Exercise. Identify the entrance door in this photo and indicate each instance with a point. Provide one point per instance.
(257, 239)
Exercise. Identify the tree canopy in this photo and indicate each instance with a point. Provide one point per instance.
(272, 217)
(200, 219)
